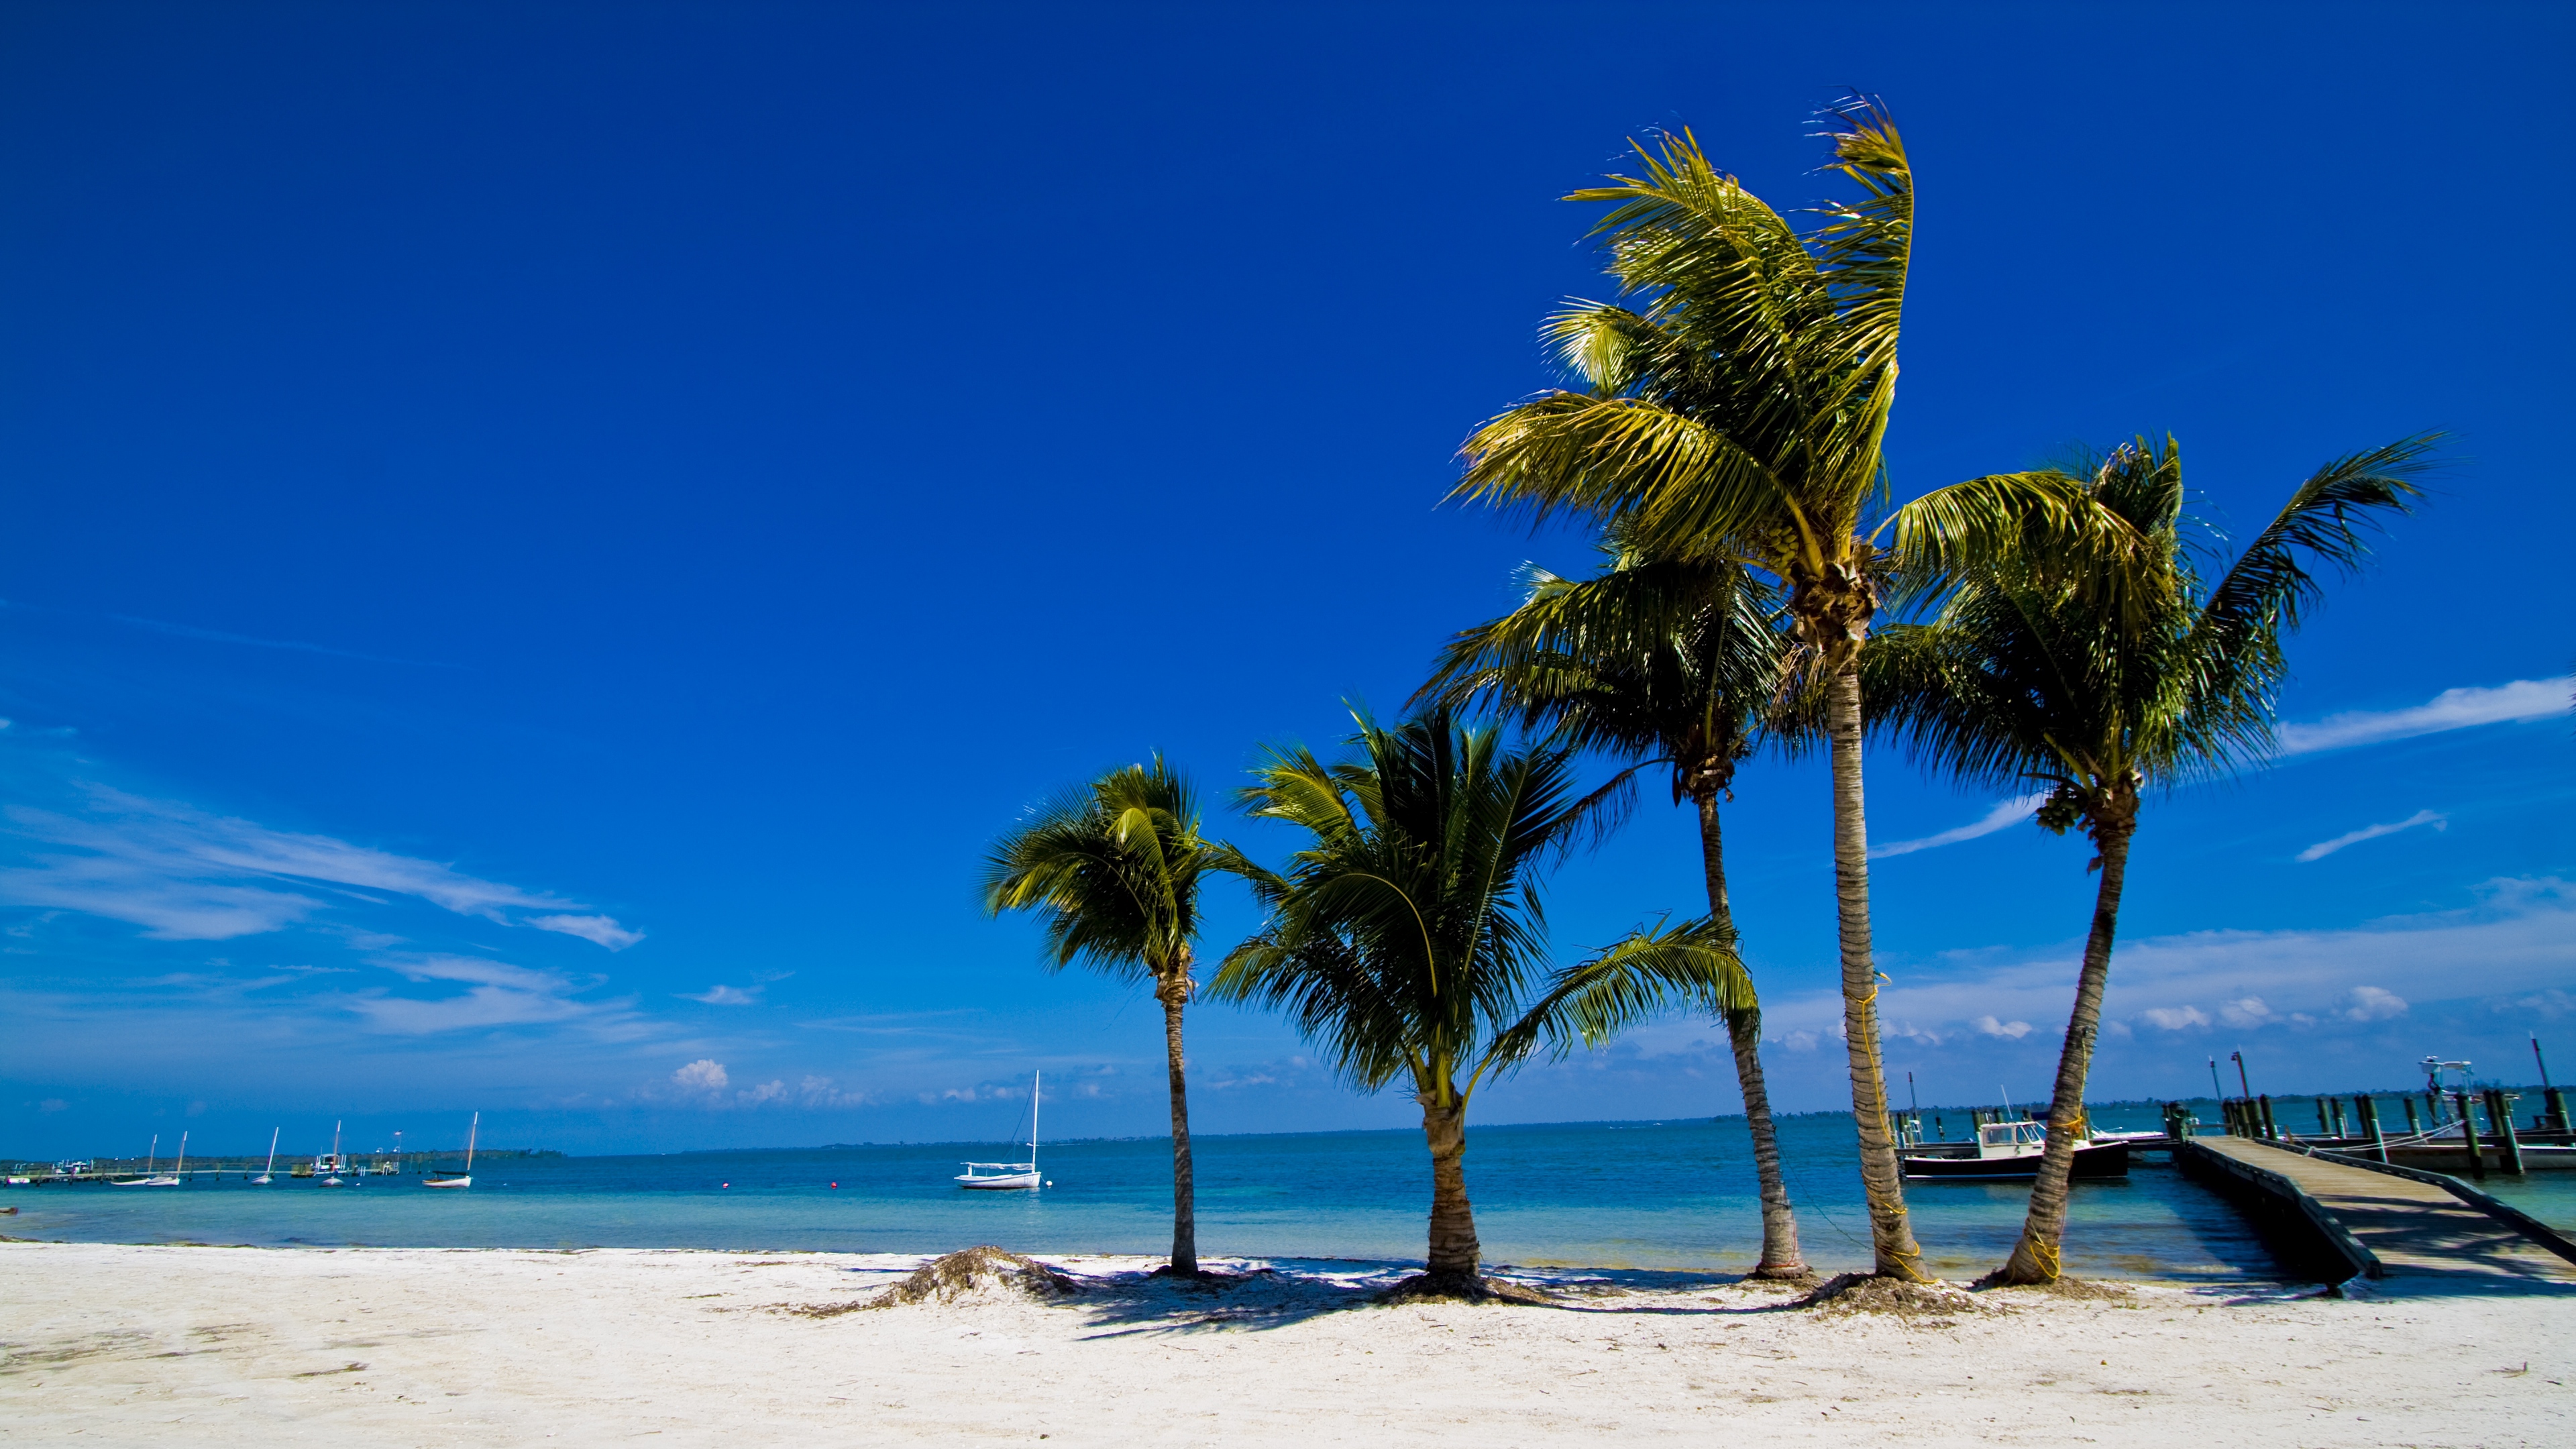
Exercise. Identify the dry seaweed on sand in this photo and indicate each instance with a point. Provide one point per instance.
(978, 1272)
(2075, 1288)
(1866, 1293)
(1428, 1288)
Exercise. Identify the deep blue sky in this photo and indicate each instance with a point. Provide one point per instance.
(484, 483)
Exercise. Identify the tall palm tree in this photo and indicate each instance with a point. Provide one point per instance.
(2100, 673)
(1736, 414)
(1662, 663)
(1113, 867)
(1407, 939)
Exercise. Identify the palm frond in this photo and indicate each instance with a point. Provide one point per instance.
(1691, 966)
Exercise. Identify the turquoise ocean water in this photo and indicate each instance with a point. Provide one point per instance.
(1640, 1195)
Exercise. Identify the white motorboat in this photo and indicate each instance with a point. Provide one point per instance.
(465, 1178)
(1010, 1176)
(2009, 1150)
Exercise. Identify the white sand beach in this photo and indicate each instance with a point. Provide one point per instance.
(129, 1345)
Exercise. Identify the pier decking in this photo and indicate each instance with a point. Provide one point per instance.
(2403, 1230)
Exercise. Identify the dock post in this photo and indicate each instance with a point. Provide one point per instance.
(2368, 1111)
(2338, 1116)
(2324, 1127)
(2500, 1122)
(2414, 1128)
(2271, 1128)
(2556, 1097)
(2469, 1135)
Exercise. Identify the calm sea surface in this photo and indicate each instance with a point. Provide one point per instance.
(1677, 1194)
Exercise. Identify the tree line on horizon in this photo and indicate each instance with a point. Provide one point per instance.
(2066, 630)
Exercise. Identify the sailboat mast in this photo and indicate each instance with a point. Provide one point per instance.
(183, 1152)
(471, 1133)
(272, 1150)
(1034, 1083)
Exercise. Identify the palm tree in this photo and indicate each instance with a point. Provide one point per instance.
(1736, 415)
(1406, 938)
(2100, 673)
(1114, 868)
(1662, 663)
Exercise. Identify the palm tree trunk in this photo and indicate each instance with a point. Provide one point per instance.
(1780, 1255)
(1891, 1238)
(1454, 1252)
(2034, 1259)
(1185, 1227)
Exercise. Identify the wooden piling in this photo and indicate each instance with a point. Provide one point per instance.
(2414, 1128)
(2500, 1122)
(2368, 1113)
(2271, 1128)
(2469, 1135)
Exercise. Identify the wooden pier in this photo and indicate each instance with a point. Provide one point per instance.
(2336, 1217)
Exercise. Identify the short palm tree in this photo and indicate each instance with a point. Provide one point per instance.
(1407, 939)
(2098, 673)
(1735, 414)
(1114, 867)
(1660, 663)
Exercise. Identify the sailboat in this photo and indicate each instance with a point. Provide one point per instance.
(465, 1178)
(264, 1172)
(329, 1166)
(151, 1178)
(1010, 1175)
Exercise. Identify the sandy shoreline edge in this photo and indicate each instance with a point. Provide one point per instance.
(116, 1343)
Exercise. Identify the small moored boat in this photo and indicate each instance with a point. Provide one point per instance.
(465, 1178)
(1006, 1176)
(2005, 1151)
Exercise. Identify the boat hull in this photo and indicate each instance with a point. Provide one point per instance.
(2093, 1160)
(447, 1182)
(1000, 1182)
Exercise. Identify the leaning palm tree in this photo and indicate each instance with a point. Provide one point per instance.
(1408, 942)
(1735, 414)
(1114, 867)
(1662, 663)
(2098, 674)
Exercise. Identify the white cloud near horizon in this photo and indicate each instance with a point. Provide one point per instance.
(2520, 937)
(184, 874)
(2003, 816)
(2324, 848)
(2452, 709)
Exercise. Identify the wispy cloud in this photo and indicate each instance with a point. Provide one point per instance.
(2324, 848)
(598, 930)
(721, 995)
(483, 1006)
(185, 874)
(219, 636)
(498, 994)
(2452, 709)
(2003, 816)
